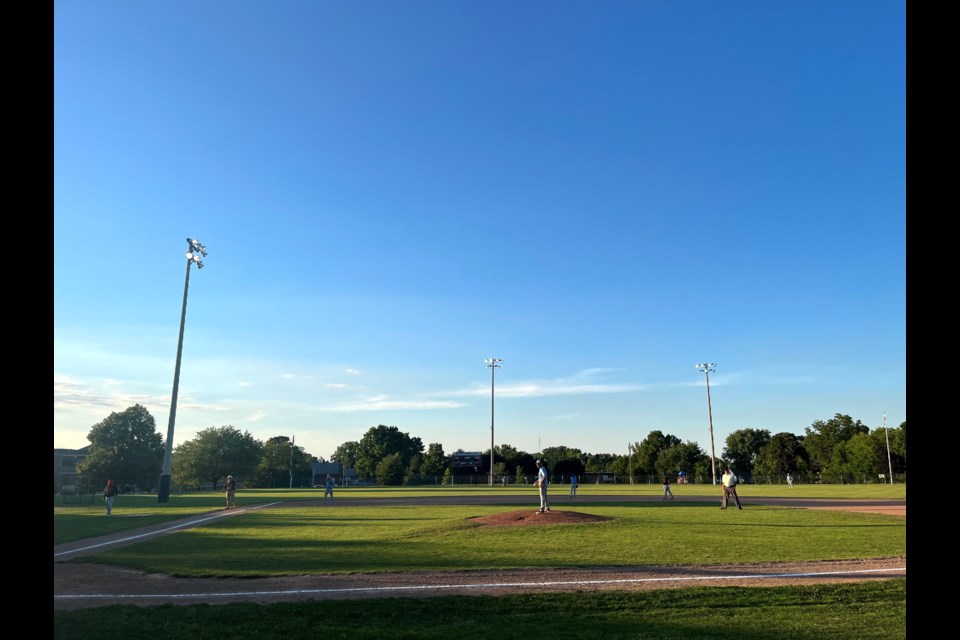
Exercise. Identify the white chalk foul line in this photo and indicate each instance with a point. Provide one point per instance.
(488, 585)
(192, 523)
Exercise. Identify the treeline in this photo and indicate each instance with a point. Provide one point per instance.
(127, 448)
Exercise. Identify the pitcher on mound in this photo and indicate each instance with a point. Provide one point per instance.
(542, 482)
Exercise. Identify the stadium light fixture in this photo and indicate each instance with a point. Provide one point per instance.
(195, 251)
(493, 364)
(706, 368)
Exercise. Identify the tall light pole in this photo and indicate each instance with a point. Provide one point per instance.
(293, 442)
(194, 251)
(493, 364)
(887, 434)
(707, 368)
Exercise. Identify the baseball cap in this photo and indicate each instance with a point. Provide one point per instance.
(538, 462)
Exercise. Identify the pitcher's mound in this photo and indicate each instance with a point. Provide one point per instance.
(532, 517)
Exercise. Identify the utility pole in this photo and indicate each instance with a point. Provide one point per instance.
(493, 364)
(707, 368)
(887, 434)
(194, 252)
(293, 441)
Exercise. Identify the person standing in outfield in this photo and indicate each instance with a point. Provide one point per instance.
(230, 486)
(573, 485)
(729, 482)
(789, 480)
(109, 493)
(542, 482)
(327, 490)
(666, 487)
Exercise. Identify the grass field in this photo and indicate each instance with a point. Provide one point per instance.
(376, 537)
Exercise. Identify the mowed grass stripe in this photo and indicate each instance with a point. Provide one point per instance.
(311, 540)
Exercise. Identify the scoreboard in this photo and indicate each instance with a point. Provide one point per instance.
(467, 459)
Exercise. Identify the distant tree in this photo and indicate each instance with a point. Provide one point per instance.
(527, 464)
(898, 444)
(519, 476)
(742, 447)
(434, 460)
(898, 447)
(680, 457)
(216, 453)
(390, 470)
(599, 462)
(414, 466)
(126, 448)
(274, 467)
(565, 461)
(381, 441)
(347, 454)
(866, 455)
(510, 455)
(620, 467)
(784, 454)
(823, 442)
(645, 454)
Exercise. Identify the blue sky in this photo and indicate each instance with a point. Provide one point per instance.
(603, 194)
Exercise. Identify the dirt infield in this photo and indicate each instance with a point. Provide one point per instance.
(83, 585)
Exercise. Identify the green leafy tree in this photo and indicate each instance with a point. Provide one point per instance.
(434, 460)
(391, 470)
(526, 462)
(519, 476)
(275, 465)
(784, 454)
(347, 454)
(510, 455)
(565, 461)
(685, 456)
(898, 447)
(824, 439)
(599, 462)
(742, 447)
(414, 466)
(620, 467)
(866, 455)
(381, 441)
(646, 453)
(216, 453)
(125, 448)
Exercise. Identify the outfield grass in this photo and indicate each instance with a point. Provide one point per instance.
(73, 520)
(333, 539)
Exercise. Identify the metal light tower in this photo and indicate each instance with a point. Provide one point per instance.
(493, 364)
(194, 251)
(293, 442)
(889, 459)
(707, 368)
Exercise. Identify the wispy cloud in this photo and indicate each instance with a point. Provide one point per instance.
(583, 382)
(379, 403)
